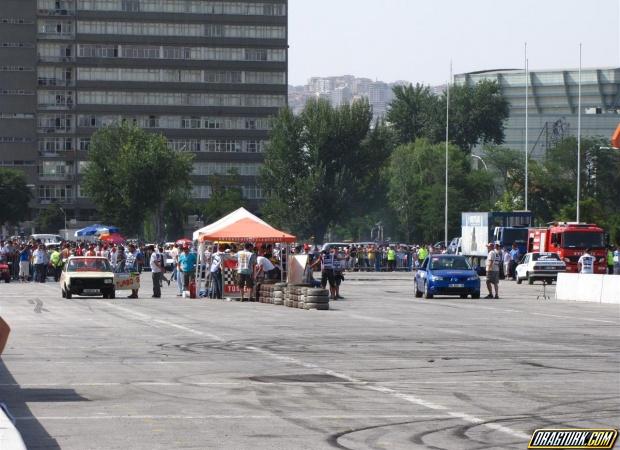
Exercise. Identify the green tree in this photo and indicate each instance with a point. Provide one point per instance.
(414, 112)
(323, 166)
(131, 175)
(416, 177)
(477, 114)
(14, 197)
(226, 196)
(50, 219)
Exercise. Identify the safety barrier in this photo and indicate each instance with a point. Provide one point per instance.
(588, 288)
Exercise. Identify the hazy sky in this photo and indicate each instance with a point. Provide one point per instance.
(414, 40)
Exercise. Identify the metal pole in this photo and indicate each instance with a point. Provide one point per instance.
(527, 94)
(579, 140)
(445, 237)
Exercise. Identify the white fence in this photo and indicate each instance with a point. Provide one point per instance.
(588, 288)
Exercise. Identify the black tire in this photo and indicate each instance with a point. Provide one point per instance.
(317, 292)
(319, 306)
(7, 280)
(530, 280)
(519, 280)
(427, 294)
(418, 293)
(475, 295)
(313, 299)
(463, 295)
(68, 294)
(112, 294)
(62, 293)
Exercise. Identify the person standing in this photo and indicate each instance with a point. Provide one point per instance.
(391, 258)
(39, 260)
(24, 263)
(586, 262)
(56, 263)
(215, 272)
(617, 261)
(610, 260)
(246, 260)
(515, 255)
(492, 267)
(131, 265)
(507, 260)
(156, 271)
(327, 262)
(187, 266)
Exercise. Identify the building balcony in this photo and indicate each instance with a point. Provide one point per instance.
(53, 130)
(56, 36)
(54, 59)
(56, 177)
(60, 200)
(56, 12)
(55, 82)
(56, 107)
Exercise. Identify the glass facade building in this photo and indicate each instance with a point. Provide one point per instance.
(206, 74)
(553, 99)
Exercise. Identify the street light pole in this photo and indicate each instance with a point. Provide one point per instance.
(579, 141)
(445, 238)
(527, 94)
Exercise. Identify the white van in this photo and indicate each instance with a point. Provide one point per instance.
(46, 239)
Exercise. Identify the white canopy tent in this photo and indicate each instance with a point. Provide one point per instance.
(225, 221)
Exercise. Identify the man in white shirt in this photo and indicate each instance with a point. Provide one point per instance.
(492, 267)
(39, 260)
(215, 272)
(264, 268)
(157, 265)
(586, 262)
(246, 260)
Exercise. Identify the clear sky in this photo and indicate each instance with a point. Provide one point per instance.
(414, 40)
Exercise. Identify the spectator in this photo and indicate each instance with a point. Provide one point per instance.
(586, 262)
(617, 261)
(24, 263)
(40, 261)
(492, 268)
(515, 256)
(215, 272)
(156, 269)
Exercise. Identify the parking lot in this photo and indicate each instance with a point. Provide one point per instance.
(380, 370)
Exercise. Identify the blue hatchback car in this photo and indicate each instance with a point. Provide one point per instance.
(446, 275)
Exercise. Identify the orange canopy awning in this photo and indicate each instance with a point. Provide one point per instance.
(243, 227)
(615, 139)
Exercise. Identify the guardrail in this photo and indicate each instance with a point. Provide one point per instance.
(588, 288)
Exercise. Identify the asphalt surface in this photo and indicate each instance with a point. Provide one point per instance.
(381, 370)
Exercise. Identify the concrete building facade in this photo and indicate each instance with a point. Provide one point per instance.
(553, 98)
(206, 74)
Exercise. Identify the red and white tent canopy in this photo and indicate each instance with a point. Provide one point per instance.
(241, 226)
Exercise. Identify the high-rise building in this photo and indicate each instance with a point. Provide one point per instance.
(553, 99)
(206, 74)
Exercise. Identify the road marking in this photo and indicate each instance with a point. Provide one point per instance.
(368, 385)
(575, 318)
(250, 417)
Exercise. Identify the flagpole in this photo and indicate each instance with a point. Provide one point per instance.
(527, 94)
(579, 141)
(445, 237)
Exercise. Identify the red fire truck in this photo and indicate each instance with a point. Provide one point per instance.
(570, 240)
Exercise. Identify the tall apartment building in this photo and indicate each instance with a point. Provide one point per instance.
(553, 100)
(206, 74)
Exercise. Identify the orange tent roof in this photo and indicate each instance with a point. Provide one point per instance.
(615, 139)
(247, 228)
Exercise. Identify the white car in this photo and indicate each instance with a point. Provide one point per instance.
(87, 275)
(539, 266)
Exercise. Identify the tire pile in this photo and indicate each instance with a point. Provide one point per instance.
(306, 297)
(299, 296)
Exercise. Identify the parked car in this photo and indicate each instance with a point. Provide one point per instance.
(87, 275)
(446, 275)
(543, 266)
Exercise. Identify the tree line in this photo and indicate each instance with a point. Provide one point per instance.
(331, 170)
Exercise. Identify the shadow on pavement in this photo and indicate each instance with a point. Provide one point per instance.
(35, 436)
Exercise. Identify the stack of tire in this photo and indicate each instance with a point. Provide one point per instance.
(265, 293)
(278, 293)
(293, 295)
(316, 299)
